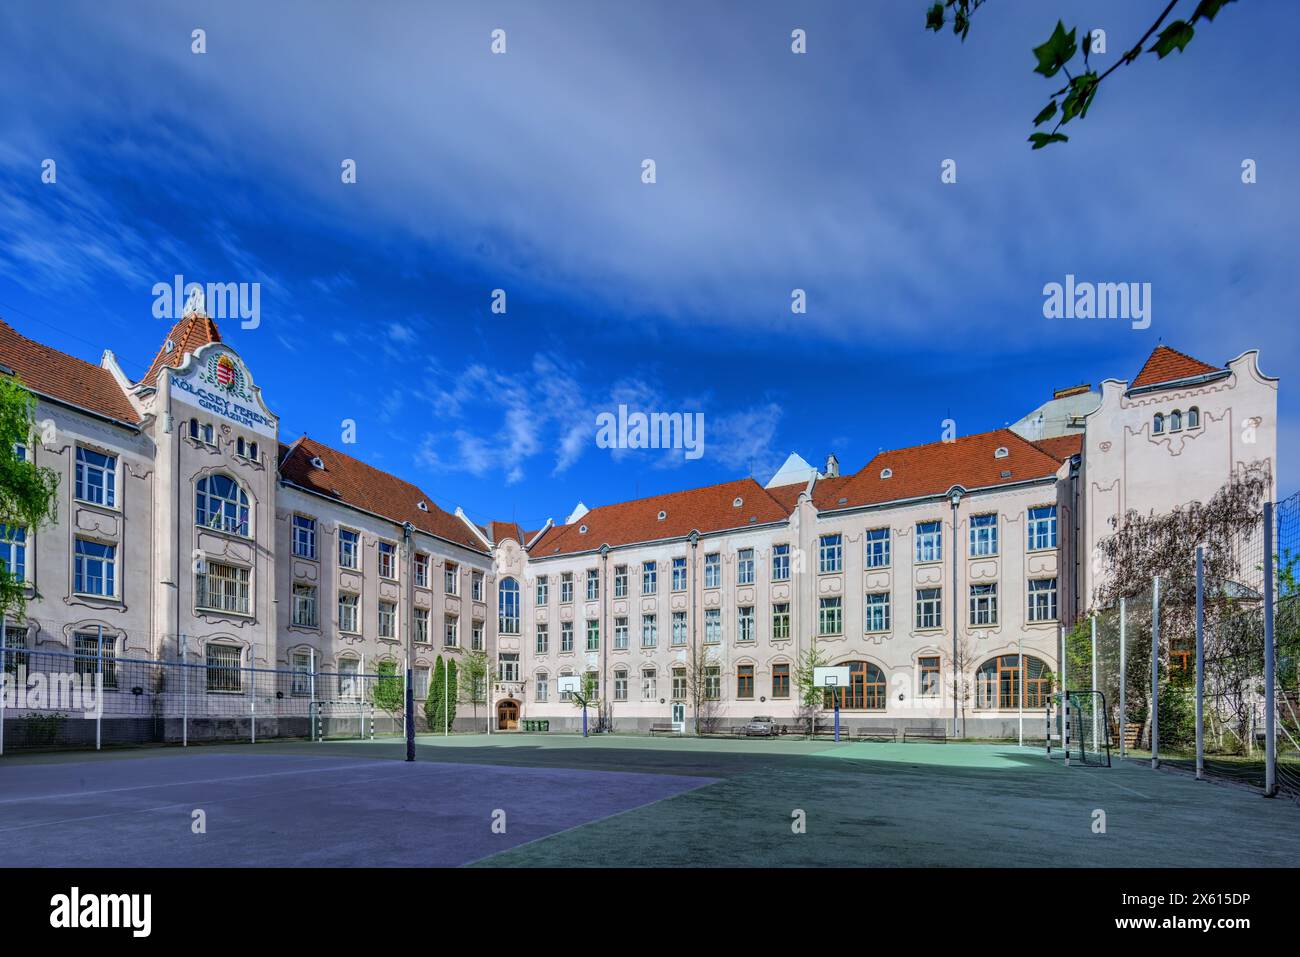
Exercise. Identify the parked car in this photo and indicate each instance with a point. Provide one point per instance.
(762, 726)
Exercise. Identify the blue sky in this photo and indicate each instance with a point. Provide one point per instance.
(522, 172)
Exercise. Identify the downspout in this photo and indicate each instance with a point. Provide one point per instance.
(605, 636)
(956, 678)
(696, 609)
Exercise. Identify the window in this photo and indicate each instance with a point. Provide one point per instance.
(780, 563)
(220, 503)
(349, 548)
(451, 578)
(387, 560)
(421, 624)
(1042, 527)
(348, 613)
(679, 684)
(591, 686)
(649, 684)
(829, 617)
(1193, 418)
(15, 655)
(476, 586)
(222, 588)
(649, 578)
(712, 626)
(713, 571)
(451, 631)
(202, 432)
(780, 681)
(745, 624)
(223, 669)
(929, 541)
(865, 690)
(1158, 424)
(543, 590)
(712, 683)
(780, 620)
(87, 650)
(620, 634)
(620, 581)
(1175, 421)
(830, 554)
(1042, 599)
(349, 679)
(245, 449)
(983, 535)
(620, 684)
(476, 635)
(649, 632)
(542, 641)
(679, 628)
(96, 477)
(13, 551)
(745, 567)
(679, 574)
(508, 667)
(984, 604)
(421, 683)
(877, 548)
(744, 681)
(593, 634)
(421, 570)
(998, 683)
(300, 664)
(876, 616)
(304, 536)
(543, 686)
(387, 619)
(566, 636)
(929, 608)
(928, 672)
(566, 588)
(508, 607)
(95, 569)
(593, 584)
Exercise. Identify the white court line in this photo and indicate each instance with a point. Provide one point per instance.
(174, 784)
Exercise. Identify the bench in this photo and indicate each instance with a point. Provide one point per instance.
(925, 734)
(877, 734)
(663, 729)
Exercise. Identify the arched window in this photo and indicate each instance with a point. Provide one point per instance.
(220, 503)
(508, 607)
(1158, 424)
(1193, 418)
(866, 690)
(997, 683)
(1175, 421)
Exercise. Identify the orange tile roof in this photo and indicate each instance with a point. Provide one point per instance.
(1062, 446)
(353, 482)
(187, 336)
(499, 531)
(709, 509)
(63, 377)
(933, 469)
(1167, 365)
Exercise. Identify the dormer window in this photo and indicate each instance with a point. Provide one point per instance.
(582, 529)
(1001, 452)
(1158, 424)
(737, 502)
(662, 516)
(316, 463)
(168, 346)
(422, 506)
(886, 473)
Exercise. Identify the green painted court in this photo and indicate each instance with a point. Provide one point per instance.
(633, 801)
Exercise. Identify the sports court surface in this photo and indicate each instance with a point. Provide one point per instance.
(623, 801)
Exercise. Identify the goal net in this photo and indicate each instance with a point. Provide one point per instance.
(1079, 730)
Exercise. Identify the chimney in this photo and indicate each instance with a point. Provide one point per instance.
(832, 466)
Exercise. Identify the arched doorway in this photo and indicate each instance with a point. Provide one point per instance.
(507, 715)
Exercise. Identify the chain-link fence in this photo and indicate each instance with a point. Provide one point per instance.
(1286, 643)
(91, 697)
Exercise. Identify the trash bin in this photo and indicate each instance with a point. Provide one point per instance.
(528, 725)
(546, 725)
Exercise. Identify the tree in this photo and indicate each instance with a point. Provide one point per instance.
(476, 669)
(811, 697)
(386, 693)
(451, 691)
(703, 672)
(28, 493)
(435, 703)
(963, 675)
(1059, 49)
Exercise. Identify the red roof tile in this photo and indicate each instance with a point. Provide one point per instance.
(353, 482)
(187, 336)
(499, 531)
(1062, 446)
(63, 377)
(1167, 365)
(709, 509)
(933, 469)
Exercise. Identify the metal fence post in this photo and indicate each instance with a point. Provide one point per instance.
(1155, 672)
(185, 697)
(4, 679)
(1270, 706)
(1123, 675)
(1095, 715)
(99, 673)
(1200, 662)
(311, 701)
(1065, 702)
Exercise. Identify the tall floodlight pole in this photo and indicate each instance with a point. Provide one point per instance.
(1155, 672)
(407, 528)
(1065, 704)
(1200, 662)
(1270, 718)
(1020, 704)
(1095, 716)
(1123, 672)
